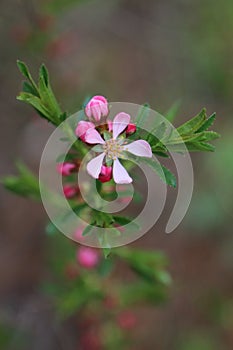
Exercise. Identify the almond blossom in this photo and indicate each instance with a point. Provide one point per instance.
(115, 148)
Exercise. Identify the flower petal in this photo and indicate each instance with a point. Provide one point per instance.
(139, 148)
(95, 165)
(120, 122)
(96, 111)
(120, 175)
(92, 136)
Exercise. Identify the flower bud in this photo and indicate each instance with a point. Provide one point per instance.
(96, 108)
(105, 174)
(82, 128)
(87, 257)
(70, 191)
(131, 128)
(66, 168)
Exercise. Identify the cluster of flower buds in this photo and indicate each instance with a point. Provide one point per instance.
(90, 132)
(67, 169)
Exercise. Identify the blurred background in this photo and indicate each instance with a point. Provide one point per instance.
(152, 51)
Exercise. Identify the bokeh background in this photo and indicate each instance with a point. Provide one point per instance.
(154, 51)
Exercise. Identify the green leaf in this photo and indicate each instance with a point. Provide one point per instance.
(87, 230)
(26, 184)
(106, 265)
(107, 252)
(159, 153)
(46, 94)
(28, 87)
(201, 136)
(207, 136)
(192, 125)
(164, 277)
(208, 123)
(122, 221)
(25, 71)
(44, 74)
(147, 264)
(200, 146)
(157, 134)
(172, 112)
(36, 103)
(155, 258)
(139, 292)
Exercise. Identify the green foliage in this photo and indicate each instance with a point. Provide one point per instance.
(141, 292)
(25, 184)
(148, 265)
(172, 112)
(40, 96)
(194, 133)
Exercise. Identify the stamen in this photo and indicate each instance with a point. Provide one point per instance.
(113, 149)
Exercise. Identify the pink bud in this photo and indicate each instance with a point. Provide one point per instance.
(96, 108)
(82, 128)
(105, 174)
(66, 168)
(70, 191)
(131, 128)
(87, 257)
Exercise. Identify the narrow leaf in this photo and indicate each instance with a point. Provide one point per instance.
(208, 123)
(193, 125)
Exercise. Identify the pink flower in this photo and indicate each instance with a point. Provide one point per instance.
(96, 108)
(70, 191)
(105, 174)
(66, 168)
(115, 148)
(131, 128)
(87, 257)
(82, 128)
